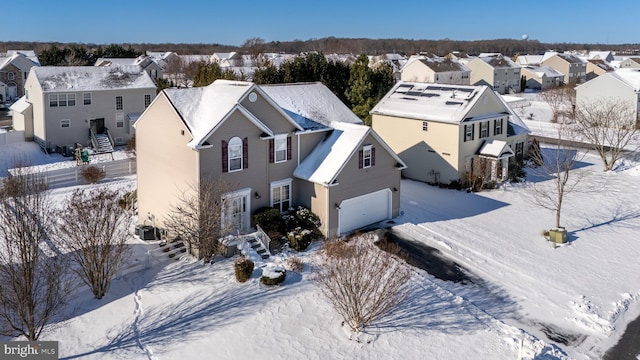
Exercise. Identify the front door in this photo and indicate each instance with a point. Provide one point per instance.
(97, 126)
(236, 213)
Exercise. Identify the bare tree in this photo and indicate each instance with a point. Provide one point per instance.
(175, 71)
(35, 284)
(95, 229)
(610, 125)
(560, 100)
(197, 217)
(362, 282)
(558, 162)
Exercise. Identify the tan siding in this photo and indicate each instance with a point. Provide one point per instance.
(417, 72)
(426, 153)
(165, 165)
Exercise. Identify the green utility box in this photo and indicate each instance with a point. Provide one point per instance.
(558, 236)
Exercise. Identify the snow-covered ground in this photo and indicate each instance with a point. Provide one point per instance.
(525, 292)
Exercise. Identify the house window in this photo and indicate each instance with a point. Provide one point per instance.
(53, 100)
(497, 126)
(280, 148)
(62, 100)
(11, 76)
(71, 99)
(120, 120)
(425, 126)
(484, 129)
(119, 104)
(65, 123)
(281, 195)
(367, 157)
(86, 98)
(147, 100)
(235, 154)
(468, 132)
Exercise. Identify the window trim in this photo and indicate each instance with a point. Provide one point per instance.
(121, 105)
(425, 126)
(484, 130)
(237, 143)
(469, 132)
(84, 98)
(280, 184)
(367, 155)
(51, 101)
(147, 102)
(497, 126)
(11, 76)
(71, 98)
(283, 139)
(120, 120)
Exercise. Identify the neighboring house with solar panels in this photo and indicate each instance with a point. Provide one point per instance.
(433, 69)
(448, 133)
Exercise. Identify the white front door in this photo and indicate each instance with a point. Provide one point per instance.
(235, 217)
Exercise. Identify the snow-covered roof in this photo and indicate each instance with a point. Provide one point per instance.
(311, 105)
(498, 61)
(21, 105)
(529, 60)
(437, 102)
(30, 54)
(116, 61)
(19, 60)
(188, 59)
(91, 78)
(544, 71)
(568, 57)
(438, 64)
(495, 149)
(630, 76)
(600, 55)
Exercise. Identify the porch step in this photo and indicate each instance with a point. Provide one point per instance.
(258, 247)
(103, 143)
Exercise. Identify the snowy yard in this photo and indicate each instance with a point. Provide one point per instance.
(528, 300)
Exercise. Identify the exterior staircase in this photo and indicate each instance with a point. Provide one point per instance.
(103, 143)
(259, 248)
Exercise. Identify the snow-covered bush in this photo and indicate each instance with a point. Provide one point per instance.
(243, 269)
(294, 263)
(92, 174)
(273, 275)
(306, 218)
(300, 239)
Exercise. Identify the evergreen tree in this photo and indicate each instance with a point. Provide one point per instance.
(360, 91)
(268, 74)
(53, 56)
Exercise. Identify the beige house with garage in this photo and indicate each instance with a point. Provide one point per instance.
(541, 77)
(279, 146)
(447, 133)
(571, 66)
(90, 105)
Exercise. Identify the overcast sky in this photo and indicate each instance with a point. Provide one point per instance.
(232, 22)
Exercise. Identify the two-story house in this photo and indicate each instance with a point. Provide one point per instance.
(279, 145)
(572, 66)
(14, 68)
(621, 85)
(495, 70)
(84, 104)
(541, 77)
(597, 67)
(448, 133)
(432, 69)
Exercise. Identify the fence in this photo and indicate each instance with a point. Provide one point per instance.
(72, 176)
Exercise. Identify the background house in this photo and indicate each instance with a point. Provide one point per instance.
(541, 77)
(442, 70)
(84, 104)
(620, 85)
(446, 133)
(572, 66)
(280, 146)
(153, 66)
(495, 70)
(14, 68)
(597, 67)
(632, 62)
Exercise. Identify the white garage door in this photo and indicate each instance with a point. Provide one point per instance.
(364, 210)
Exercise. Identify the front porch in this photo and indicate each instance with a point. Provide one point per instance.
(490, 165)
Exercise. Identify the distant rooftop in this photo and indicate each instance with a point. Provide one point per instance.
(91, 78)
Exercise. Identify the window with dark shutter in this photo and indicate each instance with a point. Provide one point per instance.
(288, 147)
(360, 158)
(225, 154)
